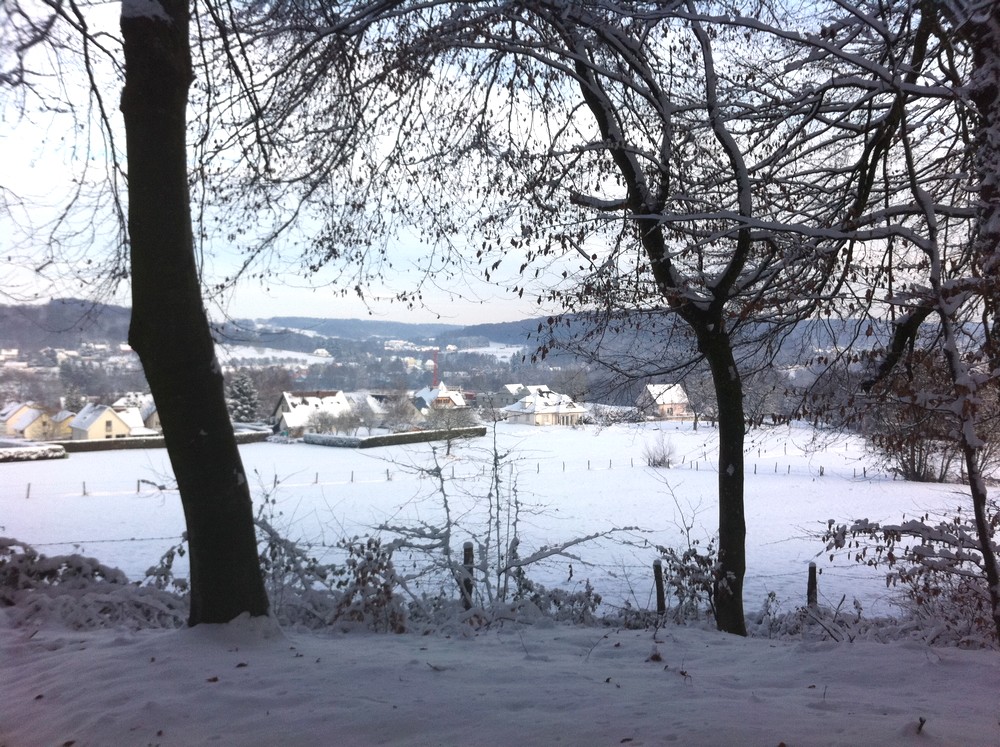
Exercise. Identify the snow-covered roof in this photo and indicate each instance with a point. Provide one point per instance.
(440, 392)
(89, 415)
(8, 410)
(545, 403)
(522, 389)
(301, 406)
(667, 394)
(141, 400)
(24, 419)
(364, 399)
(132, 399)
(132, 417)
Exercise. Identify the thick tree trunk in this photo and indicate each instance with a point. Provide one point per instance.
(715, 345)
(169, 328)
(984, 85)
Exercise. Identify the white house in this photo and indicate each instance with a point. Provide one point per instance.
(545, 407)
(438, 398)
(144, 403)
(664, 401)
(132, 417)
(294, 409)
(508, 394)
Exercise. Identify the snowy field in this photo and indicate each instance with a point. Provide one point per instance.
(570, 482)
(532, 682)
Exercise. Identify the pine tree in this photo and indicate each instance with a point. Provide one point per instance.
(242, 399)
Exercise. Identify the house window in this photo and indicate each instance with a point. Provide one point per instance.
(107, 426)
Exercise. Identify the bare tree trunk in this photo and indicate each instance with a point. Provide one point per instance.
(169, 328)
(717, 348)
(984, 36)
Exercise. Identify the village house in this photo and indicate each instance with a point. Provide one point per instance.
(545, 407)
(664, 402)
(9, 413)
(294, 409)
(143, 402)
(33, 422)
(439, 397)
(509, 394)
(95, 422)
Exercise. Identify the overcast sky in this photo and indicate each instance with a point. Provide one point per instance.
(44, 153)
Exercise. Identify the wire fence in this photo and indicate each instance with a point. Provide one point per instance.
(111, 486)
(630, 577)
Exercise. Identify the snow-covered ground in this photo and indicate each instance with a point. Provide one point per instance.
(249, 684)
(529, 682)
(570, 482)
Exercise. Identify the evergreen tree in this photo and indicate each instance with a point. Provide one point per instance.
(242, 399)
(74, 400)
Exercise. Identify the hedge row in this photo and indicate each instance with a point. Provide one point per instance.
(147, 442)
(393, 439)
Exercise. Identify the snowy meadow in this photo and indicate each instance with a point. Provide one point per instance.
(569, 484)
(507, 681)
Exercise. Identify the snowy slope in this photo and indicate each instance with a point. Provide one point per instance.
(247, 684)
(527, 682)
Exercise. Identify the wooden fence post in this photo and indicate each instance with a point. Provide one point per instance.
(661, 598)
(467, 564)
(812, 590)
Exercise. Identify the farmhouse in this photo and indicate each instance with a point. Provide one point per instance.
(545, 407)
(664, 402)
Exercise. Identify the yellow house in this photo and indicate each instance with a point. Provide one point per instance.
(10, 414)
(98, 421)
(61, 425)
(37, 425)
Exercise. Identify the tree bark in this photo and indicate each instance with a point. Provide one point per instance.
(169, 328)
(715, 345)
(984, 35)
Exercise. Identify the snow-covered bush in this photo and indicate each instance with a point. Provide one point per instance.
(579, 607)
(161, 575)
(689, 579)
(79, 592)
(607, 415)
(814, 622)
(25, 452)
(659, 453)
(367, 587)
(937, 565)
